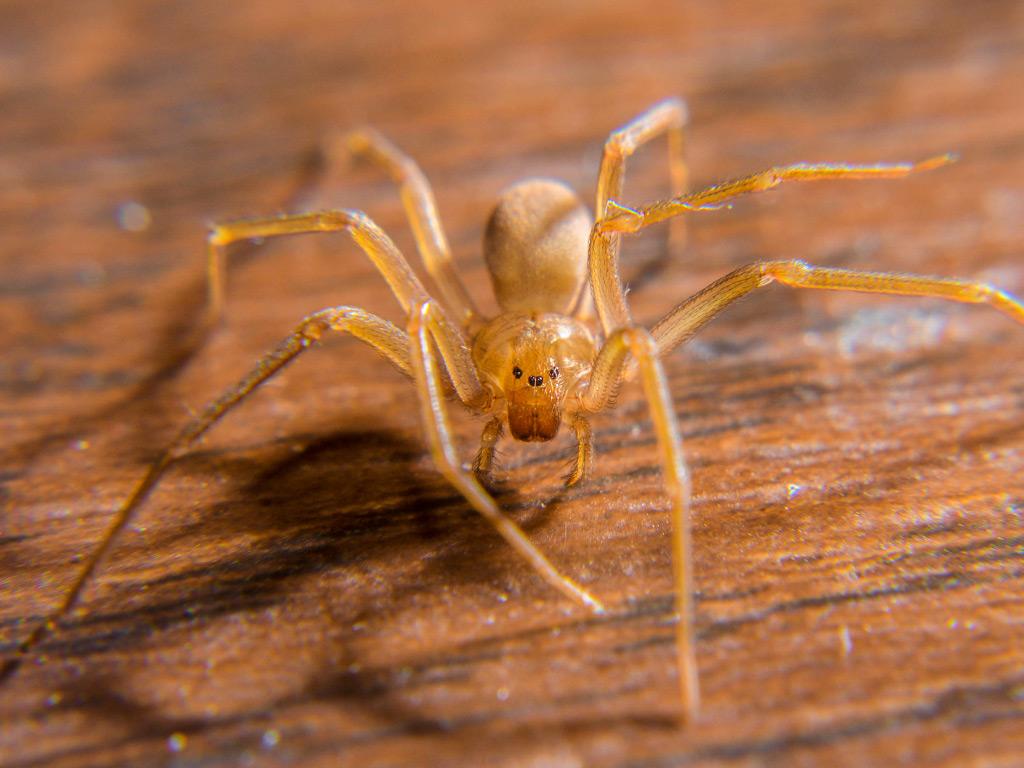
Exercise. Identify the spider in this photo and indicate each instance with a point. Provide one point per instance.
(540, 362)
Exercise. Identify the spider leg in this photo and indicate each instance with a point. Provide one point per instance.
(382, 252)
(377, 245)
(421, 209)
(604, 264)
(667, 117)
(621, 219)
(483, 464)
(442, 448)
(390, 341)
(600, 394)
(417, 198)
(584, 450)
(680, 325)
(686, 319)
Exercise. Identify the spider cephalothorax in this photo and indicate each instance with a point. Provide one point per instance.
(534, 364)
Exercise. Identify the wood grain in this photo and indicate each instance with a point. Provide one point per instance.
(304, 588)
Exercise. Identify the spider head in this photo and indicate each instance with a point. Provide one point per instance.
(535, 395)
(535, 363)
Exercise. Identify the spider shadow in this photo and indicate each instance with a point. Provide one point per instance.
(377, 501)
(374, 513)
(98, 697)
(352, 502)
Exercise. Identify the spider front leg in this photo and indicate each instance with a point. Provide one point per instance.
(422, 333)
(668, 118)
(390, 341)
(605, 379)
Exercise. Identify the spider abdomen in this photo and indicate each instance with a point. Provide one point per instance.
(536, 247)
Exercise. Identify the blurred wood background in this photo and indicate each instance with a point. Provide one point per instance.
(304, 588)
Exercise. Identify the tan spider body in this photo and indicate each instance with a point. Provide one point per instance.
(538, 363)
(536, 354)
(535, 364)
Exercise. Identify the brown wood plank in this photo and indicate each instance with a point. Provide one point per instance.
(304, 588)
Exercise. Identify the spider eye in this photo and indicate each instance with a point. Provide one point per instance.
(517, 372)
(553, 373)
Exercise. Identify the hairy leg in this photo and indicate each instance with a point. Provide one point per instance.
(667, 118)
(622, 219)
(682, 323)
(610, 298)
(421, 209)
(390, 341)
(685, 320)
(377, 245)
(584, 450)
(483, 465)
(601, 393)
(385, 256)
(442, 448)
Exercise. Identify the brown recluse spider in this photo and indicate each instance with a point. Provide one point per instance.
(537, 363)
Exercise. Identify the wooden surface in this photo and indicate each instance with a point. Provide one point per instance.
(305, 589)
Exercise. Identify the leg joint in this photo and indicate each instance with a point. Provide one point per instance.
(784, 271)
(638, 340)
(419, 315)
(335, 220)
